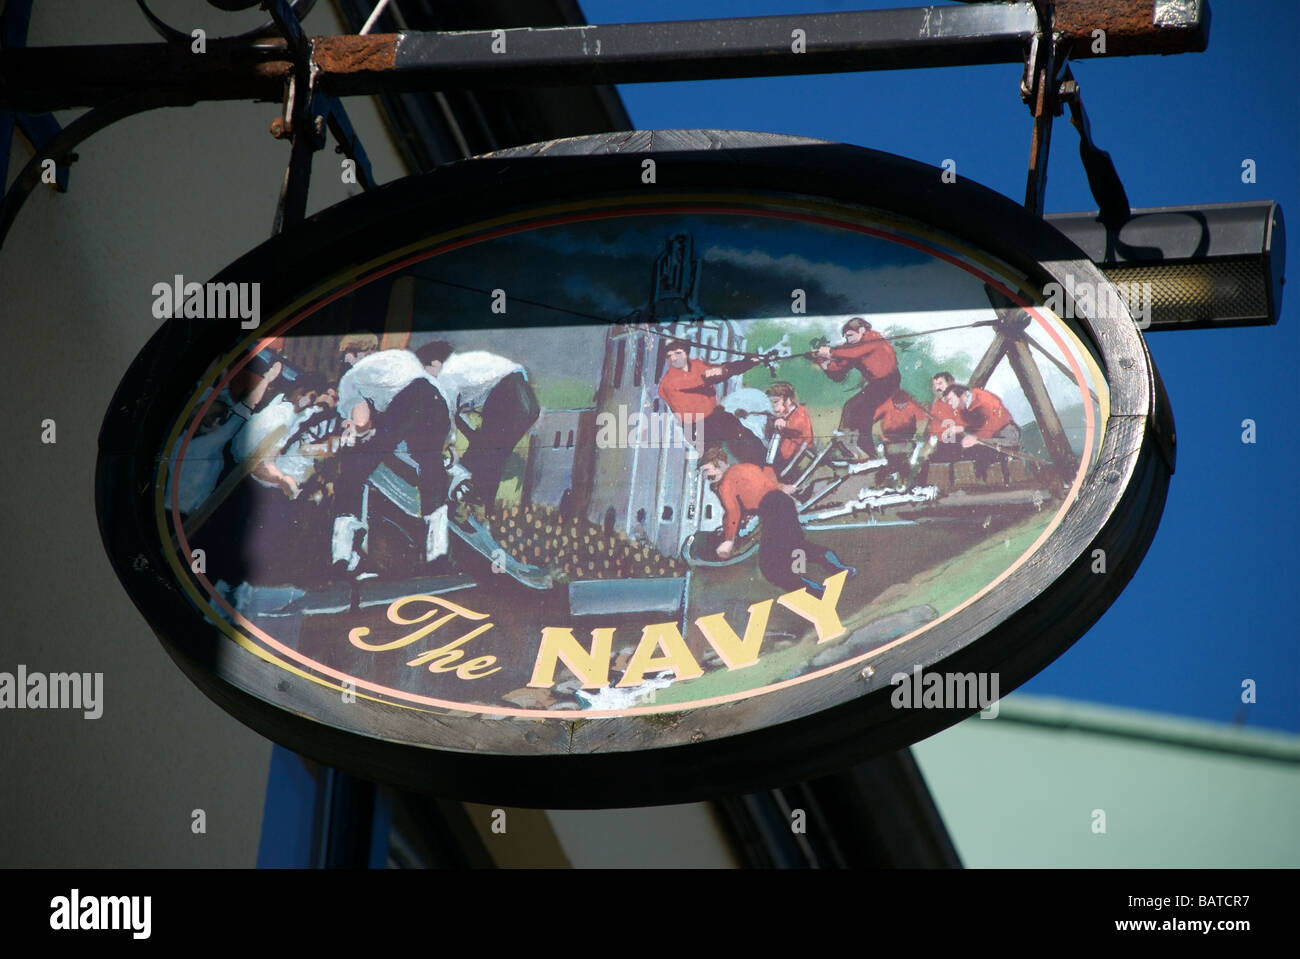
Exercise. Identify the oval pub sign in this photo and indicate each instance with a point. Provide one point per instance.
(634, 468)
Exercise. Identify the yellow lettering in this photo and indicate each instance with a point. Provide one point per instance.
(466, 670)
(678, 658)
(735, 652)
(820, 612)
(394, 616)
(440, 659)
(560, 645)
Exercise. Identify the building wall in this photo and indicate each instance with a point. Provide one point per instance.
(553, 444)
(172, 191)
(658, 477)
(1050, 783)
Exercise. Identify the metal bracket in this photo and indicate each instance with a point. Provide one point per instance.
(268, 29)
(122, 79)
(60, 147)
(1103, 179)
(296, 123)
(1045, 63)
(346, 140)
(306, 116)
(1046, 85)
(39, 129)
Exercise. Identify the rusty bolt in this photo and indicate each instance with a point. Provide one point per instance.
(279, 129)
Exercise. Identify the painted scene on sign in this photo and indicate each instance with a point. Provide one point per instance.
(629, 462)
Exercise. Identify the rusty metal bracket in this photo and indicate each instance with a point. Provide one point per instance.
(1047, 86)
(57, 78)
(307, 115)
(115, 80)
(296, 123)
(1045, 64)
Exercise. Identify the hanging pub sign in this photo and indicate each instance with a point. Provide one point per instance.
(634, 468)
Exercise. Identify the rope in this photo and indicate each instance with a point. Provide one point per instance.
(1007, 452)
(749, 355)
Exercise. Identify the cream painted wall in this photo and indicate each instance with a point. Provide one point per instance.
(173, 191)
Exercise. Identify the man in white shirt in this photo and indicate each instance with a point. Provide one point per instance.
(387, 398)
(289, 467)
(498, 390)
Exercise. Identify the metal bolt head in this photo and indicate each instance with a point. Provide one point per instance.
(278, 128)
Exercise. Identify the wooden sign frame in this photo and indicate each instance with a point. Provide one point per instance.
(787, 734)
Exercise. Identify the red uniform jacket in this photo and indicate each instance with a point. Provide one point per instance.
(895, 422)
(798, 431)
(985, 413)
(741, 489)
(942, 416)
(872, 356)
(686, 391)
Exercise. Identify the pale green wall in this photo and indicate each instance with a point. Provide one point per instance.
(1020, 790)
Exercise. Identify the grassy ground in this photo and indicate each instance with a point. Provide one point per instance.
(942, 585)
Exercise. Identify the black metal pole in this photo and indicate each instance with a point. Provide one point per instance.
(55, 78)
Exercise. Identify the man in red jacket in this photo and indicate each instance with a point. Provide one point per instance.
(871, 355)
(986, 426)
(899, 416)
(690, 388)
(791, 422)
(942, 416)
(748, 488)
(944, 421)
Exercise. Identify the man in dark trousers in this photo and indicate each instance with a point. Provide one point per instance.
(386, 397)
(899, 416)
(871, 355)
(749, 488)
(498, 390)
(690, 388)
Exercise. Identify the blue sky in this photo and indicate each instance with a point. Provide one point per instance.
(1215, 601)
